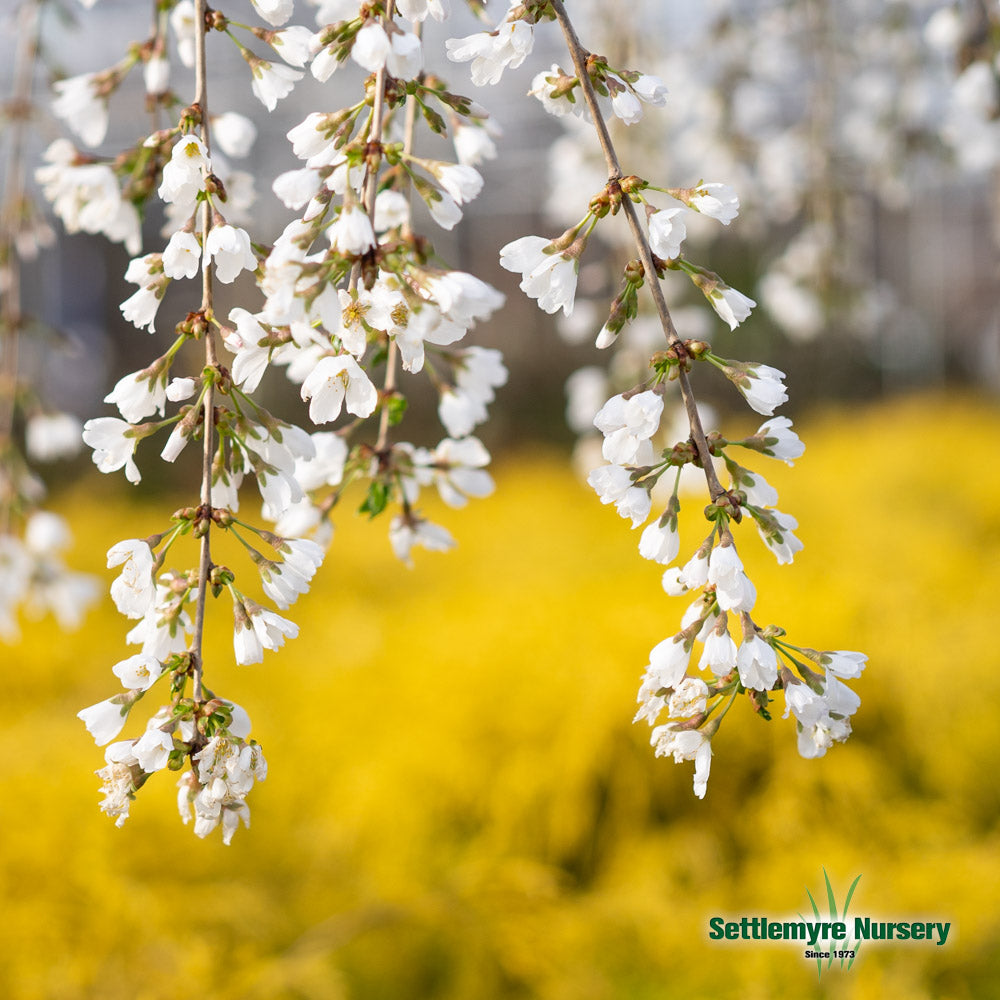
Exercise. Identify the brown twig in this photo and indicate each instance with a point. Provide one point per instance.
(579, 56)
(211, 361)
(10, 213)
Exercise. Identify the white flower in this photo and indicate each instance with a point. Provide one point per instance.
(156, 75)
(180, 389)
(231, 252)
(406, 56)
(464, 298)
(182, 255)
(720, 651)
(944, 30)
(443, 208)
(293, 44)
(283, 582)
(719, 201)
(457, 469)
(760, 493)
(247, 647)
(113, 448)
(105, 720)
(371, 47)
(116, 784)
(271, 82)
(546, 274)
(79, 106)
(182, 21)
(689, 698)
(673, 582)
(133, 591)
(52, 436)
(775, 529)
(251, 355)
(779, 440)
(667, 231)
(626, 106)
(460, 412)
(474, 143)
(324, 63)
(271, 628)
(417, 10)
(139, 671)
(275, 12)
(338, 381)
(87, 196)
(492, 53)
(234, 133)
(257, 629)
(326, 467)
(628, 425)
(310, 137)
(651, 89)
(152, 750)
(668, 661)
(686, 744)
(176, 442)
(761, 386)
(543, 88)
(138, 396)
(352, 233)
(405, 532)
(734, 590)
(613, 484)
(296, 188)
(844, 663)
(660, 542)
(140, 309)
(463, 183)
(302, 555)
(731, 305)
(274, 463)
(146, 272)
(183, 174)
(756, 660)
(46, 533)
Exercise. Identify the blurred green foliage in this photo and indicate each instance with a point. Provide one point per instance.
(458, 806)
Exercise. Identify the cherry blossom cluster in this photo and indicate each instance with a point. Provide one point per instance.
(682, 699)
(351, 290)
(352, 296)
(828, 113)
(33, 576)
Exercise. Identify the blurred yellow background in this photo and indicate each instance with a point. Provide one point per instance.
(458, 806)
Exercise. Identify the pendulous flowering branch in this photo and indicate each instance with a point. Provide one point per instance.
(348, 288)
(33, 576)
(762, 661)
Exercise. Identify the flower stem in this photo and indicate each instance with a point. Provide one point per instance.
(205, 561)
(10, 213)
(579, 57)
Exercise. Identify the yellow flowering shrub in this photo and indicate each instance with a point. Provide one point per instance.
(458, 806)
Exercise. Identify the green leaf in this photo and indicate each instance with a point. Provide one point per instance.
(375, 502)
(396, 405)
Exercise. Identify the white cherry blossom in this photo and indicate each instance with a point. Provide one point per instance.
(182, 255)
(492, 53)
(546, 274)
(335, 382)
(113, 446)
(229, 248)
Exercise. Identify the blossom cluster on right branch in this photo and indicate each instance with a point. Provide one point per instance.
(683, 699)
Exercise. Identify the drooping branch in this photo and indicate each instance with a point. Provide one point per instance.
(579, 56)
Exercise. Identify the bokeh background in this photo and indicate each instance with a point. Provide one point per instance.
(458, 806)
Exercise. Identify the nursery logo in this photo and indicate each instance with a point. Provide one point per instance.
(832, 938)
